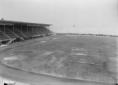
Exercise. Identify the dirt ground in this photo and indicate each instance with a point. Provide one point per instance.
(59, 46)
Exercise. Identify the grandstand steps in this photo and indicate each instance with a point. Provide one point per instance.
(20, 33)
(9, 33)
(2, 36)
(28, 34)
(17, 36)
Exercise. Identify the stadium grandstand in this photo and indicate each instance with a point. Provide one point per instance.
(11, 31)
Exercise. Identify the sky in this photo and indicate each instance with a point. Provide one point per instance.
(75, 16)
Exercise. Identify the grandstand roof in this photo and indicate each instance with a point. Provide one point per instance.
(8, 22)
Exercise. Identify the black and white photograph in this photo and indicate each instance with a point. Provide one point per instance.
(58, 42)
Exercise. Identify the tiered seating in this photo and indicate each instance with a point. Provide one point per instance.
(22, 32)
(43, 31)
(47, 32)
(19, 33)
(3, 37)
(31, 31)
(28, 34)
(11, 31)
(10, 34)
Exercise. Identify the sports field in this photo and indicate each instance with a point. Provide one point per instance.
(61, 60)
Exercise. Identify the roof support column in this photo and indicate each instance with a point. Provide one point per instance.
(21, 30)
(4, 32)
(30, 27)
(21, 27)
(4, 28)
(27, 27)
(13, 27)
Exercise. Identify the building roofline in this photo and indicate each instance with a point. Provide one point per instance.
(9, 22)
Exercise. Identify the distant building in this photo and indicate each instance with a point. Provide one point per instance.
(11, 30)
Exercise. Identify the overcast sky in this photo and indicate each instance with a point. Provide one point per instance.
(82, 16)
